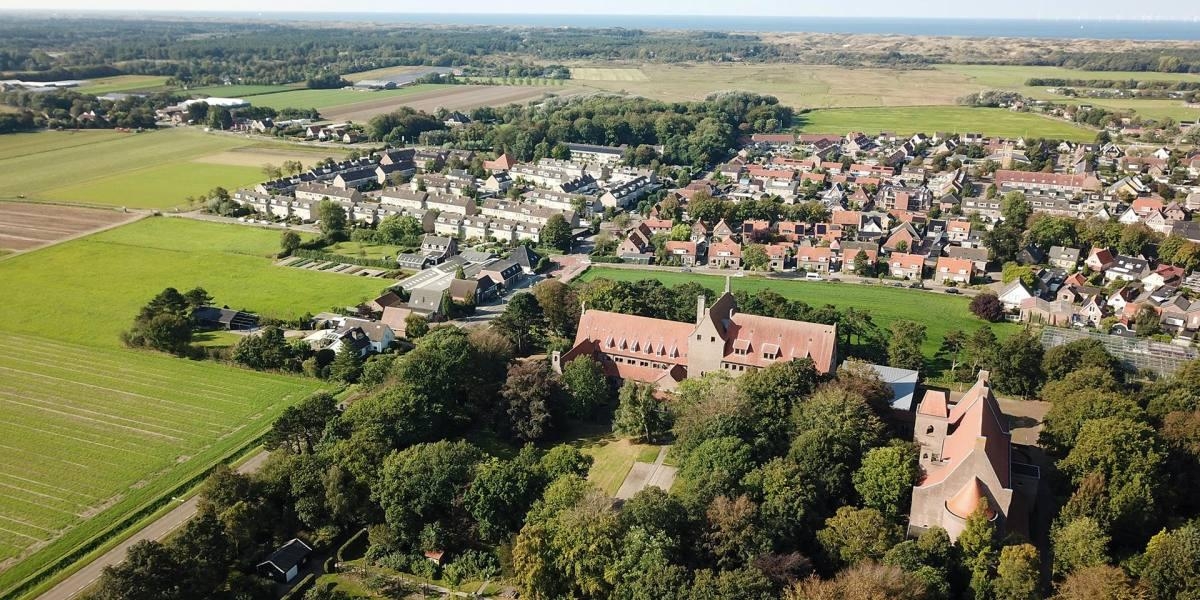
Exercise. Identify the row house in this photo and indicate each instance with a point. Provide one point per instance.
(687, 253)
(779, 256)
(818, 259)
(315, 192)
(557, 200)
(525, 213)
(1030, 182)
(906, 266)
(956, 270)
(625, 194)
(725, 255)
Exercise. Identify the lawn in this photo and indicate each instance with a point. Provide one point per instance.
(154, 169)
(124, 83)
(157, 187)
(613, 459)
(940, 313)
(320, 99)
(365, 250)
(88, 290)
(928, 119)
(92, 435)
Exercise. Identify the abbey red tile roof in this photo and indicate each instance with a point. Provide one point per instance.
(767, 340)
(632, 335)
(976, 421)
(966, 501)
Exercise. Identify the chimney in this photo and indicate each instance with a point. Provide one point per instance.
(699, 308)
(983, 376)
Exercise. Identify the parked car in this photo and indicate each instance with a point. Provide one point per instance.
(952, 291)
(917, 285)
(812, 277)
(898, 284)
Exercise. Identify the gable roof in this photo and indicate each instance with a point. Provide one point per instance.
(975, 422)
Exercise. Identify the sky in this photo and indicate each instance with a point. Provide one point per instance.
(1037, 9)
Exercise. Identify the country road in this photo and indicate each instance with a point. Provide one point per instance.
(85, 577)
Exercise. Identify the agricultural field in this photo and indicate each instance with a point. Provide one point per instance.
(321, 99)
(25, 226)
(601, 74)
(449, 97)
(886, 304)
(124, 83)
(99, 282)
(91, 435)
(257, 157)
(238, 91)
(960, 119)
(154, 169)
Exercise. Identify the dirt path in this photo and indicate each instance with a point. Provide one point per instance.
(83, 578)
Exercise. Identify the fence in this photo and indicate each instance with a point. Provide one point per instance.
(1134, 354)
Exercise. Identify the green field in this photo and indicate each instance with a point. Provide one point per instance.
(156, 187)
(940, 313)
(612, 460)
(929, 119)
(90, 435)
(92, 432)
(364, 250)
(87, 291)
(320, 99)
(237, 91)
(154, 169)
(124, 83)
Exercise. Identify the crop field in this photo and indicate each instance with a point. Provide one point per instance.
(24, 226)
(600, 74)
(320, 99)
(238, 91)
(155, 169)
(124, 83)
(940, 313)
(98, 283)
(257, 157)
(89, 435)
(961, 119)
(450, 97)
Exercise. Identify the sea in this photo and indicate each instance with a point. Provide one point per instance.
(1149, 29)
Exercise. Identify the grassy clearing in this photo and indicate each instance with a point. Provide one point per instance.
(384, 72)
(124, 83)
(928, 119)
(88, 290)
(91, 434)
(601, 74)
(238, 91)
(365, 250)
(612, 461)
(257, 157)
(18, 145)
(157, 187)
(320, 99)
(940, 313)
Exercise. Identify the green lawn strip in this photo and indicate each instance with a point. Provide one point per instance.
(99, 282)
(237, 91)
(929, 119)
(320, 99)
(940, 313)
(612, 459)
(161, 186)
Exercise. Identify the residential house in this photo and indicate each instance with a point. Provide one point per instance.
(779, 256)
(978, 256)
(958, 231)
(396, 317)
(599, 154)
(957, 270)
(965, 462)
(637, 247)
(659, 225)
(283, 565)
(1064, 258)
(906, 266)
(664, 353)
(527, 258)
(1127, 268)
(316, 192)
(503, 272)
(1013, 294)
(903, 238)
(725, 255)
(687, 253)
(814, 259)
(1099, 259)
(851, 250)
(722, 231)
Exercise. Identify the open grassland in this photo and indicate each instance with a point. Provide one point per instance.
(88, 290)
(953, 119)
(384, 72)
(940, 313)
(612, 460)
(449, 97)
(257, 157)
(238, 91)
(154, 169)
(91, 435)
(601, 74)
(156, 187)
(124, 83)
(320, 99)
(24, 226)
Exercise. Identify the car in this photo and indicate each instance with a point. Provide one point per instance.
(898, 284)
(952, 291)
(916, 285)
(685, 270)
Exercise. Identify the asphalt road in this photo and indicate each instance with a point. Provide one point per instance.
(85, 577)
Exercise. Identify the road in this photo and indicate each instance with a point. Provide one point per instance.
(85, 577)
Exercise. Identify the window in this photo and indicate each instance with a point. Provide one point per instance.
(929, 430)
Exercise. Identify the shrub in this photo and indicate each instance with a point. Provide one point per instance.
(987, 307)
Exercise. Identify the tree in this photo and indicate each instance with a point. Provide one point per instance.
(415, 326)
(584, 380)
(953, 344)
(1079, 543)
(1171, 566)
(1060, 361)
(289, 242)
(522, 321)
(733, 536)
(560, 306)
(531, 392)
(1015, 209)
(862, 265)
(1017, 573)
(1130, 458)
(556, 233)
(640, 414)
(1147, 322)
(149, 571)
(219, 118)
(347, 365)
(987, 306)
(1067, 415)
(298, 428)
(885, 479)
(1017, 367)
(420, 485)
(501, 493)
(977, 542)
(904, 345)
(865, 581)
(854, 535)
(982, 348)
(755, 258)
(333, 219)
(1100, 582)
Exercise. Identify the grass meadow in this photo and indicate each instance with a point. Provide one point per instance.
(154, 169)
(93, 433)
(124, 83)
(238, 91)
(940, 313)
(87, 291)
(928, 119)
(320, 99)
